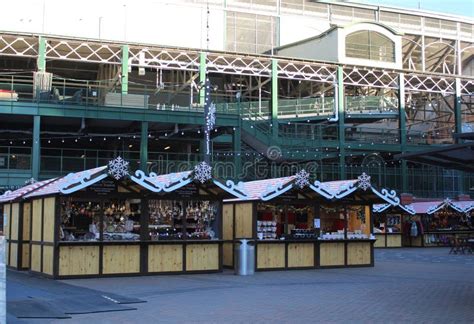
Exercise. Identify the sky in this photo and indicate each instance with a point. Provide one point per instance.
(455, 7)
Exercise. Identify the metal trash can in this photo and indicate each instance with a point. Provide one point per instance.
(244, 257)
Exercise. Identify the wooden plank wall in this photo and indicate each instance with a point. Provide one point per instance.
(6, 229)
(165, 258)
(380, 240)
(121, 259)
(200, 257)
(15, 220)
(270, 255)
(244, 220)
(300, 255)
(48, 219)
(331, 254)
(228, 234)
(358, 253)
(36, 216)
(394, 240)
(78, 260)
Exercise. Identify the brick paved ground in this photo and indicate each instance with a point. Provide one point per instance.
(406, 285)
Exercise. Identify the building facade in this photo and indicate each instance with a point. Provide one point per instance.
(335, 88)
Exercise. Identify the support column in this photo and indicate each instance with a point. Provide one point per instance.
(458, 127)
(274, 99)
(202, 77)
(402, 129)
(341, 123)
(144, 147)
(36, 148)
(41, 61)
(237, 148)
(124, 69)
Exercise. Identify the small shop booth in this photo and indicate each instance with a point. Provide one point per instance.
(296, 224)
(388, 224)
(106, 222)
(437, 223)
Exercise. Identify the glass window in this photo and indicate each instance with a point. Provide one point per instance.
(88, 220)
(172, 219)
(370, 45)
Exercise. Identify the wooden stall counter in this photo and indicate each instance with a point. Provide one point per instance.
(388, 240)
(310, 254)
(78, 259)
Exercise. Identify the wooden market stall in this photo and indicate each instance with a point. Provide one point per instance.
(388, 224)
(438, 222)
(297, 224)
(104, 222)
(16, 215)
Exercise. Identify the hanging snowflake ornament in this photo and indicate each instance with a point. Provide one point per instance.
(302, 179)
(364, 181)
(118, 168)
(202, 172)
(211, 117)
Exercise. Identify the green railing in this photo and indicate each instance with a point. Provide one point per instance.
(107, 93)
(370, 104)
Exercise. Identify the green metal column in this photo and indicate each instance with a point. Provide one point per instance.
(202, 77)
(41, 61)
(341, 130)
(237, 148)
(124, 69)
(402, 129)
(275, 99)
(458, 128)
(36, 149)
(144, 146)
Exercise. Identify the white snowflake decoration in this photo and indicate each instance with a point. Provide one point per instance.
(30, 181)
(211, 117)
(118, 168)
(302, 179)
(202, 172)
(364, 181)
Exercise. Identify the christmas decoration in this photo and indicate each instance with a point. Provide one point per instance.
(302, 179)
(364, 181)
(118, 168)
(202, 172)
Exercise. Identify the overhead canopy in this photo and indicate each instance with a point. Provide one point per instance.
(357, 190)
(457, 156)
(430, 207)
(200, 176)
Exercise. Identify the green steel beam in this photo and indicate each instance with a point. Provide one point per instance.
(341, 126)
(116, 113)
(35, 159)
(237, 148)
(124, 69)
(402, 129)
(202, 77)
(274, 101)
(144, 146)
(41, 61)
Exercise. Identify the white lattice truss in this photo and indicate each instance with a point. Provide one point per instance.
(467, 87)
(83, 51)
(170, 59)
(429, 83)
(236, 64)
(14, 45)
(372, 78)
(306, 71)
(61, 48)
